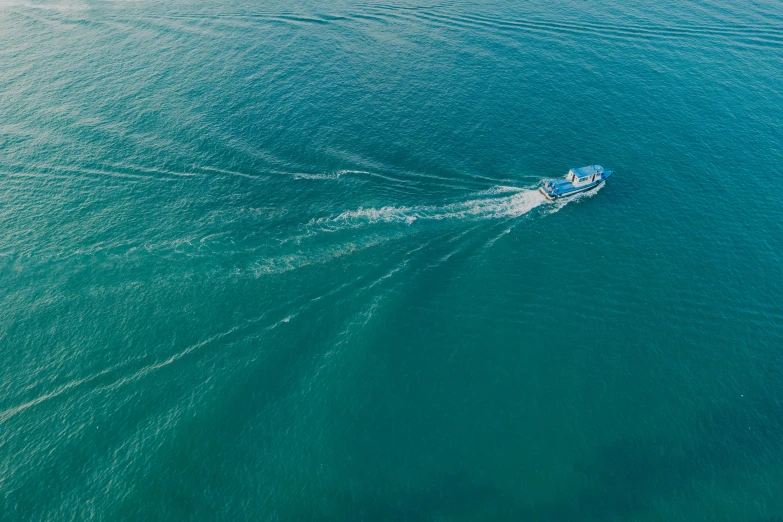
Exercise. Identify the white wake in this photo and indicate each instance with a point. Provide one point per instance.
(519, 202)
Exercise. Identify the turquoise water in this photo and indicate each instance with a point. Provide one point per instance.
(285, 261)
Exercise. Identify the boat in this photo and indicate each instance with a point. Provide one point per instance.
(577, 180)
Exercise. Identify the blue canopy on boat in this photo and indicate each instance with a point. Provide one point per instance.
(587, 171)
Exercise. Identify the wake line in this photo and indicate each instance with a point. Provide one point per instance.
(501, 203)
(520, 202)
(762, 35)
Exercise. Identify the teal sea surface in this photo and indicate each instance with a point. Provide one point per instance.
(285, 261)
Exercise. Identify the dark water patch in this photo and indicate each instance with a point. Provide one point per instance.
(623, 479)
(458, 496)
(627, 476)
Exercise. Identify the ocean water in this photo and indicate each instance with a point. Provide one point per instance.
(285, 261)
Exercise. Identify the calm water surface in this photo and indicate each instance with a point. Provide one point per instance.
(285, 261)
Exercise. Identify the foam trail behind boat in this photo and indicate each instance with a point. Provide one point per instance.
(521, 201)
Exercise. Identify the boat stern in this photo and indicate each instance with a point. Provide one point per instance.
(546, 191)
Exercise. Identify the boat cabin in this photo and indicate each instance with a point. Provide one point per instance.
(585, 175)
